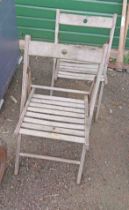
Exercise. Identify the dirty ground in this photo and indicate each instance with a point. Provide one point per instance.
(44, 185)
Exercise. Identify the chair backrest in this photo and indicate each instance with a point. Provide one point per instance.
(64, 18)
(69, 52)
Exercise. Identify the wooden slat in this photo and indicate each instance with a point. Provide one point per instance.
(45, 157)
(68, 75)
(70, 52)
(79, 62)
(56, 136)
(56, 98)
(58, 103)
(47, 106)
(55, 118)
(60, 89)
(79, 67)
(55, 112)
(75, 63)
(52, 123)
(52, 129)
(76, 74)
(86, 21)
(75, 70)
(71, 62)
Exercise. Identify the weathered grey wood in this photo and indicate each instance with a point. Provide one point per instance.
(25, 73)
(99, 101)
(80, 62)
(78, 71)
(113, 51)
(81, 164)
(52, 129)
(86, 21)
(111, 39)
(78, 68)
(56, 98)
(55, 60)
(59, 118)
(75, 70)
(76, 74)
(54, 124)
(52, 135)
(67, 75)
(23, 112)
(72, 62)
(97, 83)
(58, 103)
(45, 157)
(53, 74)
(1, 103)
(55, 112)
(87, 126)
(54, 107)
(69, 52)
(60, 89)
(54, 118)
(64, 17)
(56, 69)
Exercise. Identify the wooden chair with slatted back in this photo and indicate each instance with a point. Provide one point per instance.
(75, 70)
(56, 117)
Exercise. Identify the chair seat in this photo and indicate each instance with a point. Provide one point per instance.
(55, 118)
(80, 71)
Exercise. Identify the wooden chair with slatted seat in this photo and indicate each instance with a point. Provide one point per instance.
(55, 117)
(76, 70)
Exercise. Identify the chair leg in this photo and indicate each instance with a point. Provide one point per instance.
(52, 83)
(79, 176)
(99, 101)
(17, 155)
(53, 75)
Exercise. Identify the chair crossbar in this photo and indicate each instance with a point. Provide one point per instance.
(51, 158)
(60, 89)
(85, 21)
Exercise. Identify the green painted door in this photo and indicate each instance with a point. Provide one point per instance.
(37, 17)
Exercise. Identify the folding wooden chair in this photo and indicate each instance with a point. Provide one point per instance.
(54, 117)
(77, 70)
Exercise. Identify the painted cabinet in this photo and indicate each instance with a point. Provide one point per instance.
(9, 50)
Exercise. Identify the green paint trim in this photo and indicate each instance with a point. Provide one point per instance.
(38, 19)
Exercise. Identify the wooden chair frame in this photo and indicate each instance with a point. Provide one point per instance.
(28, 90)
(63, 17)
